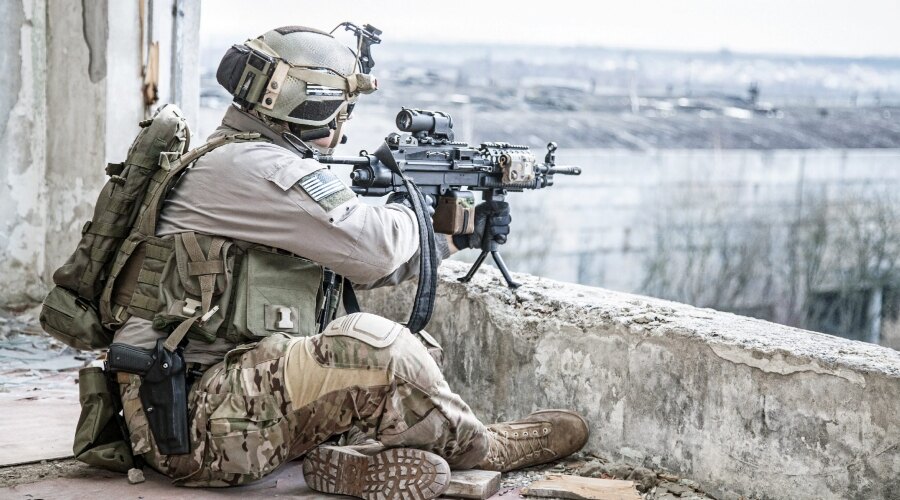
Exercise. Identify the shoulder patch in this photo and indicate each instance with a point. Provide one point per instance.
(325, 188)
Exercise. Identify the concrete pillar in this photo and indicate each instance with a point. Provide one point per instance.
(185, 82)
(123, 78)
(176, 25)
(77, 35)
(23, 121)
(179, 78)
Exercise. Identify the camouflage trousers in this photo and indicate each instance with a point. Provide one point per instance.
(269, 403)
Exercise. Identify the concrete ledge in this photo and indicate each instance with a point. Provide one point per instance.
(743, 406)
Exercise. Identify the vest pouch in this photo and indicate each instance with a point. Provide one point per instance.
(218, 263)
(276, 292)
(98, 436)
(73, 321)
(181, 289)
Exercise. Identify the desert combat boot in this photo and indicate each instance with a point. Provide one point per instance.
(374, 473)
(543, 436)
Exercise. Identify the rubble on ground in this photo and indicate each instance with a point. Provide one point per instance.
(31, 360)
(651, 484)
(45, 470)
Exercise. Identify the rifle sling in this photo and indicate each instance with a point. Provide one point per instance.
(423, 304)
(351, 305)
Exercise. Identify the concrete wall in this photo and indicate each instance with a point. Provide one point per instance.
(70, 101)
(77, 66)
(22, 145)
(743, 406)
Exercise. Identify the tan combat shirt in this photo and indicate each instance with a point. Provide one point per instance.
(251, 191)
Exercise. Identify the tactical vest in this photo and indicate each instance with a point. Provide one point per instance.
(188, 284)
(208, 287)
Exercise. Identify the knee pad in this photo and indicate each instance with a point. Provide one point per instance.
(374, 330)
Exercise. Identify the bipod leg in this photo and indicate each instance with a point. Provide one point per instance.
(503, 269)
(475, 266)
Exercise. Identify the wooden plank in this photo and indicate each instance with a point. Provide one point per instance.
(36, 427)
(478, 484)
(582, 488)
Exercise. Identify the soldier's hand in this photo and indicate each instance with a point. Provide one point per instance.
(492, 219)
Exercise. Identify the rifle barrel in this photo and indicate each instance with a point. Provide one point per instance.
(344, 160)
(566, 170)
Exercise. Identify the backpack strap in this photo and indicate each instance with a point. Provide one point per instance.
(150, 215)
(141, 295)
(204, 267)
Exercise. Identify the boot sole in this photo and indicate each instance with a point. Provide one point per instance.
(397, 473)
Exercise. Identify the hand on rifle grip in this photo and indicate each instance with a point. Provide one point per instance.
(492, 220)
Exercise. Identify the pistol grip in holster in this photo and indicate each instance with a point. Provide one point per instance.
(163, 391)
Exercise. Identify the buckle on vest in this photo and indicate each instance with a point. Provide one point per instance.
(205, 317)
(191, 307)
(168, 158)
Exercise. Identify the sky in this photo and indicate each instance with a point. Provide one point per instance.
(804, 27)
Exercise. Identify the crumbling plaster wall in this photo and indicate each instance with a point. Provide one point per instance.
(70, 101)
(22, 146)
(76, 134)
(744, 406)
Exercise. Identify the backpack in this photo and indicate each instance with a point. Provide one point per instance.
(71, 311)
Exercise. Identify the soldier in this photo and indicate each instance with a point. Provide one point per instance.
(257, 231)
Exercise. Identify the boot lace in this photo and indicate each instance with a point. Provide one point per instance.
(514, 448)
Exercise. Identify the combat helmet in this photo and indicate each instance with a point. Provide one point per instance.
(302, 76)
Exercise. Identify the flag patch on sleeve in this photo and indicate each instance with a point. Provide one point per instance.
(325, 188)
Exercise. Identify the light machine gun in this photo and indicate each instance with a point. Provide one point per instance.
(446, 173)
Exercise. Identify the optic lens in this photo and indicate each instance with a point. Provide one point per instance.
(404, 120)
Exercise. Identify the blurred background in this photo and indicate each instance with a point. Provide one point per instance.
(742, 156)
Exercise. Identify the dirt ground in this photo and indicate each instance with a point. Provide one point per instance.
(652, 485)
(45, 469)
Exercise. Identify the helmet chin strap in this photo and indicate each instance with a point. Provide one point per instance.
(323, 150)
(335, 138)
(339, 121)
